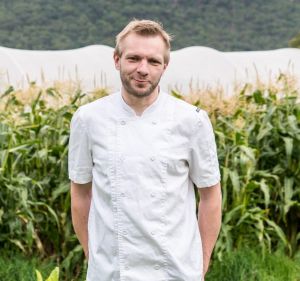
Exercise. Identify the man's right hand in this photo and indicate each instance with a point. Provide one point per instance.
(81, 195)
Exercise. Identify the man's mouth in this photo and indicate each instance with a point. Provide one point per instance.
(140, 80)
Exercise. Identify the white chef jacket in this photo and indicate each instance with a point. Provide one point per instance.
(142, 223)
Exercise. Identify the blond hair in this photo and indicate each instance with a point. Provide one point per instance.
(144, 28)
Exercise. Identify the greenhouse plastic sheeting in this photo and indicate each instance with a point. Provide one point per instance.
(190, 68)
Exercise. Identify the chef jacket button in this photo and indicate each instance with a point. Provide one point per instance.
(152, 158)
(123, 122)
(125, 232)
(123, 194)
(126, 267)
(157, 267)
(152, 232)
(152, 194)
(154, 122)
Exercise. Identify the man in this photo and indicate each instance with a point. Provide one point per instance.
(134, 157)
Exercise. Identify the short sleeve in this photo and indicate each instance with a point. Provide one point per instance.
(203, 159)
(80, 161)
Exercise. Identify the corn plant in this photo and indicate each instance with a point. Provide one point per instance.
(34, 198)
(258, 143)
(259, 153)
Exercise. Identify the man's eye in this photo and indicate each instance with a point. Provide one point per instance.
(133, 59)
(154, 62)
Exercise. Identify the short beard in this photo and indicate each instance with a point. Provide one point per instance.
(131, 91)
(138, 94)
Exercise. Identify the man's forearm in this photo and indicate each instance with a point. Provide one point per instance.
(81, 195)
(209, 219)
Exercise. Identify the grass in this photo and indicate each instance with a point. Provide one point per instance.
(241, 265)
(20, 268)
(249, 265)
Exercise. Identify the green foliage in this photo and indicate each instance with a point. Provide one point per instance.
(34, 197)
(54, 275)
(15, 267)
(242, 264)
(259, 154)
(248, 264)
(224, 25)
(295, 41)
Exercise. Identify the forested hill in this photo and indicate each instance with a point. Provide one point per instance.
(224, 25)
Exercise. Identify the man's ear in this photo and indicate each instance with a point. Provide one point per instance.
(165, 66)
(117, 61)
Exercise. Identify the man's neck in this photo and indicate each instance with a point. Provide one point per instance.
(139, 105)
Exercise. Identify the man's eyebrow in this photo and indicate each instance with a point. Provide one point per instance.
(155, 59)
(138, 56)
(132, 55)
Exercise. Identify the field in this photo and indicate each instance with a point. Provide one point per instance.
(258, 138)
(243, 264)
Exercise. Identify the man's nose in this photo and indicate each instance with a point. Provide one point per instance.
(143, 67)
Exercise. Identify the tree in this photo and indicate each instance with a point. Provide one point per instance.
(295, 41)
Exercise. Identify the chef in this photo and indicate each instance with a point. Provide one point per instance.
(134, 159)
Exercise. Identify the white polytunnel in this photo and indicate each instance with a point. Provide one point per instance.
(189, 68)
(92, 66)
(197, 67)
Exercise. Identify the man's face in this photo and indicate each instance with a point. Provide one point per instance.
(141, 64)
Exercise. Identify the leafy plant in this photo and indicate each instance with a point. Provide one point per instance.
(54, 275)
(34, 198)
(259, 153)
(258, 139)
